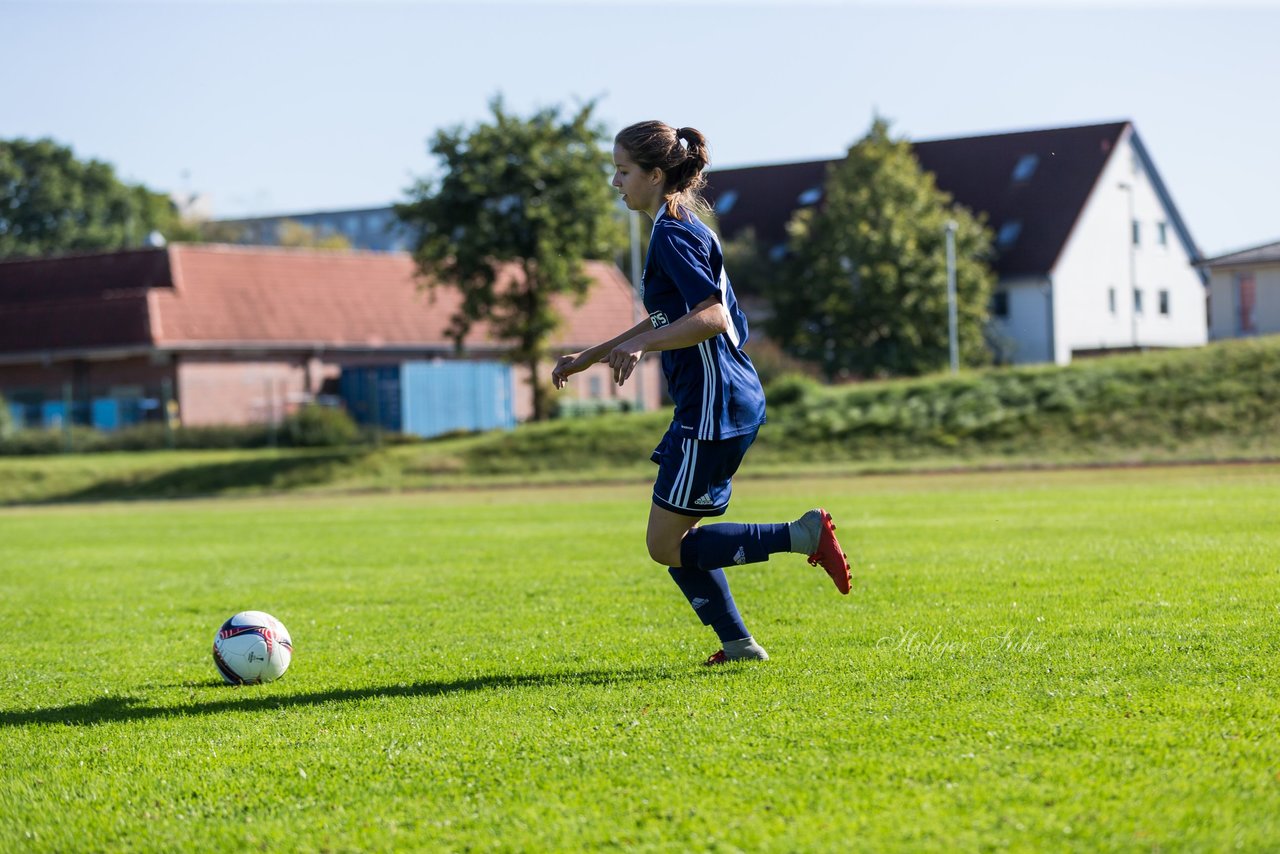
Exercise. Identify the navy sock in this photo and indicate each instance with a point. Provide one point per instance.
(708, 593)
(711, 546)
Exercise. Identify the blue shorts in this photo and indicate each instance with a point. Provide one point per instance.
(694, 474)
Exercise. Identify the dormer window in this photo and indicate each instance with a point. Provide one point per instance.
(1008, 233)
(1025, 168)
(725, 203)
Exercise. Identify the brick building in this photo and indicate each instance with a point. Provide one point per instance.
(237, 334)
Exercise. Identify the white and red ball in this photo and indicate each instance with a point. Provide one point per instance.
(252, 647)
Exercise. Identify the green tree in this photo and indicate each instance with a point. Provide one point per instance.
(864, 290)
(749, 265)
(531, 192)
(299, 235)
(52, 202)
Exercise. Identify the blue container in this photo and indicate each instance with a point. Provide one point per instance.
(106, 413)
(372, 395)
(431, 398)
(53, 414)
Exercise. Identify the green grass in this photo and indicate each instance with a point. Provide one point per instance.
(1055, 660)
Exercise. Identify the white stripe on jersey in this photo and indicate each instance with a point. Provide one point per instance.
(709, 379)
(732, 331)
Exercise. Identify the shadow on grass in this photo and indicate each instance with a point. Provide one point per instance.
(123, 709)
(208, 479)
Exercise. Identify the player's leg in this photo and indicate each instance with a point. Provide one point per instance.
(682, 495)
(707, 590)
(703, 488)
(813, 535)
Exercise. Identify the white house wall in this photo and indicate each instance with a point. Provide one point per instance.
(1097, 258)
(1025, 334)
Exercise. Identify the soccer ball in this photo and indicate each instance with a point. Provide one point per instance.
(252, 647)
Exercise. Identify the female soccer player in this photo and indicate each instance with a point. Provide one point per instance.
(695, 322)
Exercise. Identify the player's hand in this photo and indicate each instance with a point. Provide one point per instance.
(623, 360)
(567, 366)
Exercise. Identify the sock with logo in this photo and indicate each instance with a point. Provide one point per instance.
(724, 543)
(708, 593)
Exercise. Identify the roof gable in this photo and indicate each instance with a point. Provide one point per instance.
(1040, 179)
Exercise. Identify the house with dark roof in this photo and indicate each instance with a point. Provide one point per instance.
(1092, 255)
(1244, 292)
(237, 334)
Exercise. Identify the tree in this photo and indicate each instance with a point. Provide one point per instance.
(749, 265)
(864, 289)
(530, 192)
(302, 236)
(51, 202)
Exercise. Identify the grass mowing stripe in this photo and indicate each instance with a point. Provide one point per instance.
(1068, 659)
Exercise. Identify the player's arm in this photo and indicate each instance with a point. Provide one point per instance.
(705, 320)
(573, 363)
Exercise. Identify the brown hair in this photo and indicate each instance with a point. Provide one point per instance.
(657, 145)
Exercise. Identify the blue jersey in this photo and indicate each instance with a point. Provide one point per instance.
(714, 385)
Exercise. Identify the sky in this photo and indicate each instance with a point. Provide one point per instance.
(292, 106)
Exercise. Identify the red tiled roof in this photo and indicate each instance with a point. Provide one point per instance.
(190, 295)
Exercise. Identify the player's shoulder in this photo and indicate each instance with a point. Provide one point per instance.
(685, 229)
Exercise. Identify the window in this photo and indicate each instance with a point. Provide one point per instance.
(1137, 301)
(1137, 233)
(1164, 303)
(725, 203)
(1111, 300)
(1162, 233)
(811, 196)
(1000, 304)
(1025, 168)
(595, 387)
(1009, 233)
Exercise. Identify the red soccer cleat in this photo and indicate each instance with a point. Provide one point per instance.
(717, 657)
(831, 556)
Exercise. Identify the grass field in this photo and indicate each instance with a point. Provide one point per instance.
(1062, 661)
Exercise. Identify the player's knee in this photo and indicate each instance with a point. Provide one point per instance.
(663, 551)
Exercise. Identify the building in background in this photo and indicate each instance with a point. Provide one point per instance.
(1244, 292)
(1092, 254)
(374, 229)
(238, 335)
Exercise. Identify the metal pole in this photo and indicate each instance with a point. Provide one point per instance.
(952, 318)
(638, 285)
(166, 411)
(68, 406)
(1133, 271)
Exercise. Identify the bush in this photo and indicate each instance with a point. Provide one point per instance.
(315, 426)
(790, 389)
(588, 407)
(7, 426)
